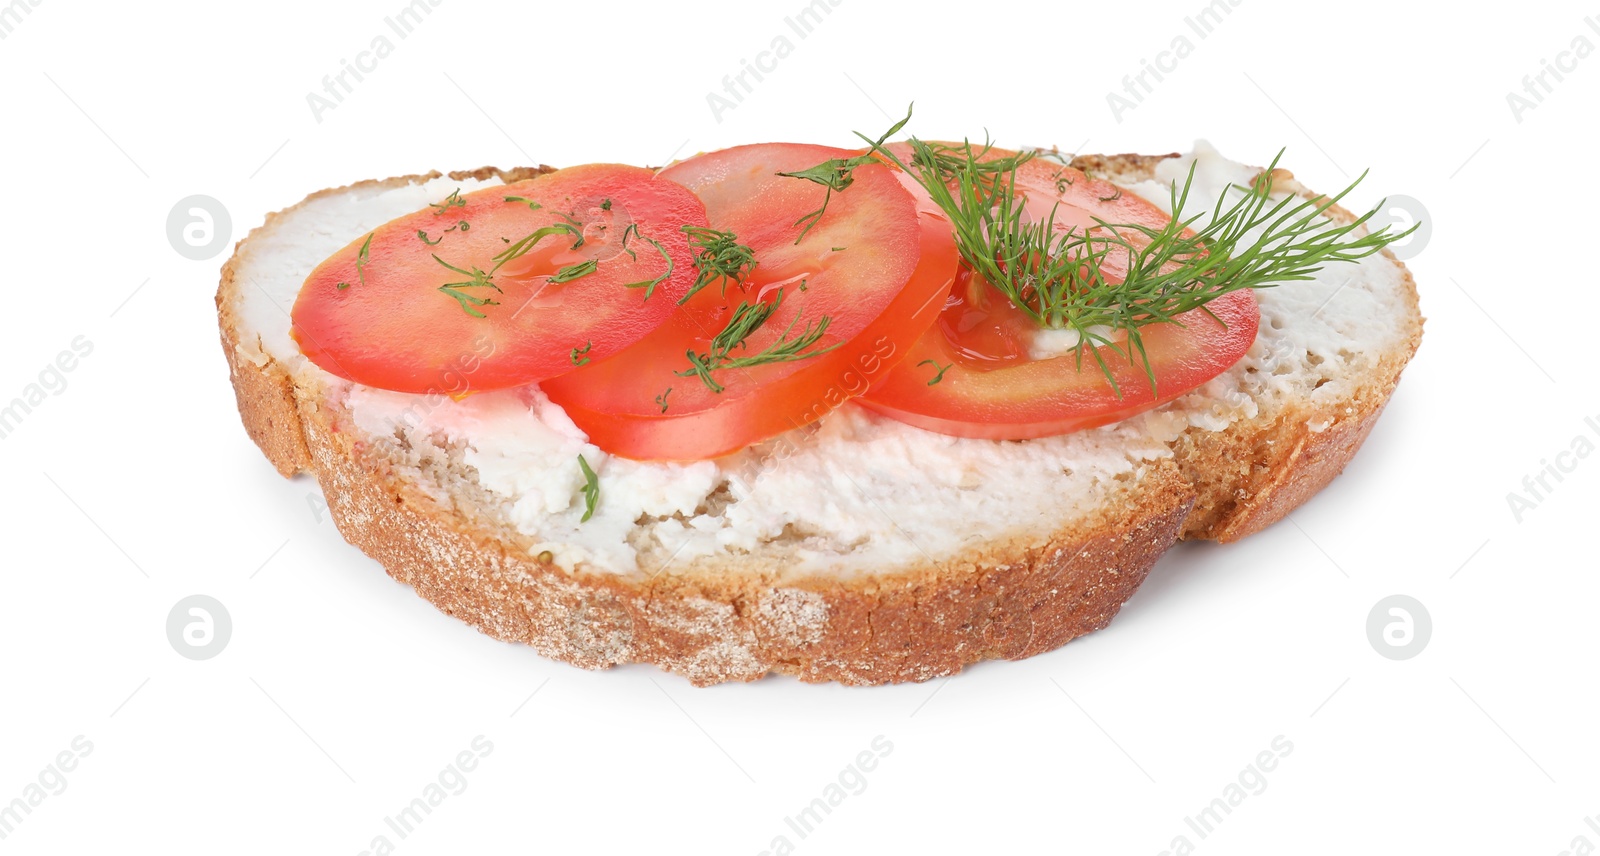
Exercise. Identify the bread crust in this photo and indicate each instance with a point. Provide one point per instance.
(1008, 599)
(266, 395)
(1253, 474)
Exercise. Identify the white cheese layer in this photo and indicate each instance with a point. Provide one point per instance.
(858, 492)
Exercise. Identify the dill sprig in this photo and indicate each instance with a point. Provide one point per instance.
(462, 225)
(476, 278)
(718, 256)
(837, 175)
(746, 320)
(633, 229)
(361, 263)
(454, 200)
(941, 370)
(591, 490)
(1058, 278)
(572, 272)
(526, 244)
(480, 278)
(649, 285)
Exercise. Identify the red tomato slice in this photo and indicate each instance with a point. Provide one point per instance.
(971, 374)
(503, 286)
(876, 265)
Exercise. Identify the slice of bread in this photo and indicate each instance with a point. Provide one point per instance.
(858, 550)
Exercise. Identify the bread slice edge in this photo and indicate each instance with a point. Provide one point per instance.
(1261, 468)
(1005, 600)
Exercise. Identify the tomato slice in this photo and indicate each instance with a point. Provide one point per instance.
(503, 286)
(876, 265)
(977, 371)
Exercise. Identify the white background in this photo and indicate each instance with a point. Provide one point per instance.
(342, 694)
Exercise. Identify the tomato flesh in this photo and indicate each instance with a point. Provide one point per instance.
(877, 264)
(973, 374)
(375, 312)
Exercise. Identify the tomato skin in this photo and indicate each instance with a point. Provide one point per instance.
(723, 430)
(1042, 398)
(385, 323)
(881, 288)
(989, 387)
